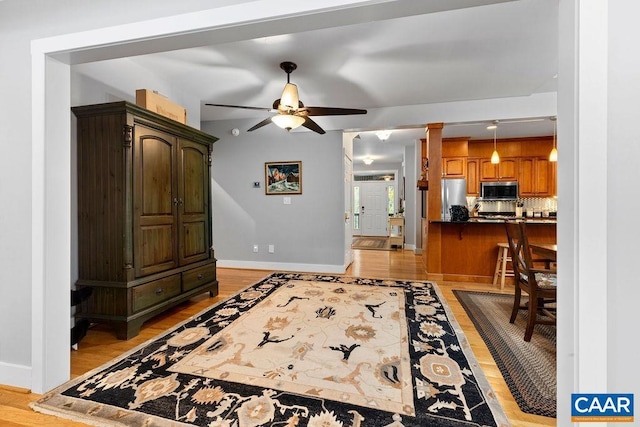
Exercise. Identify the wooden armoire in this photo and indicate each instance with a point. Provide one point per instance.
(144, 214)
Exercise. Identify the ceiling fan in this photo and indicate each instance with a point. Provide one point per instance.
(292, 113)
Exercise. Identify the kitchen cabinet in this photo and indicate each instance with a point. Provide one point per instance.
(536, 177)
(454, 167)
(144, 214)
(506, 170)
(473, 177)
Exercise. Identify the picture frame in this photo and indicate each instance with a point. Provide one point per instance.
(282, 178)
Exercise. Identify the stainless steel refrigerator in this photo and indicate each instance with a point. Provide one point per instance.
(454, 192)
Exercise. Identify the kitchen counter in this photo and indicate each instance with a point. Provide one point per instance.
(500, 220)
(467, 251)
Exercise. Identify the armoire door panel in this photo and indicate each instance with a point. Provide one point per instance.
(155, 167)
(194, 176)
(157, 251)
(193, 212)
(156, 201)
(194, 240)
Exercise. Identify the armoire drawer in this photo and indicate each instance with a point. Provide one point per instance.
(154, 292)
(198, 276)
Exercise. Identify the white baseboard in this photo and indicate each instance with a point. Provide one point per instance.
(15, 375)
(282, 266)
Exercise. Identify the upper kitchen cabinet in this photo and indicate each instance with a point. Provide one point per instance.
(506, 170)
(454, 157)
(536, 177)
(454, 167)
(473, 177)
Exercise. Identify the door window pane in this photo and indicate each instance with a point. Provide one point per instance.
(356, 207)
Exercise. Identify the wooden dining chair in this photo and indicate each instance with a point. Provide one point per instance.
(538, 283)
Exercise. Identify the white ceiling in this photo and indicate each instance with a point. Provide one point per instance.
(495, 51)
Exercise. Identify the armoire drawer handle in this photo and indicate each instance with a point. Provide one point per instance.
(200, 276)
(159, 291)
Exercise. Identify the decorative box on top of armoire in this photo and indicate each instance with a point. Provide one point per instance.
(144, 214)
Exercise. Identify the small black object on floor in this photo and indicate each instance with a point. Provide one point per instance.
(80, 329)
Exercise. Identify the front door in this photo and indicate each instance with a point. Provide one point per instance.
(374, 205)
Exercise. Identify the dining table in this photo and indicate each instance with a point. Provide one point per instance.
(545, 250)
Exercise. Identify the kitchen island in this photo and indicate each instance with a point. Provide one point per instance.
(467, 251)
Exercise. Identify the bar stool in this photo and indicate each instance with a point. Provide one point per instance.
(501, 265)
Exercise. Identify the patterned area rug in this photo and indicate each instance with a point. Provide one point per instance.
(529, 368)
(371, 242)
(296, 350)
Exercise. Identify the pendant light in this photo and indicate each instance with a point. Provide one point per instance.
(495, 157)
(553, 155)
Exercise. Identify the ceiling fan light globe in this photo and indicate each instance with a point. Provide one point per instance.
(553, 155)
(287, 121)
(289, 99)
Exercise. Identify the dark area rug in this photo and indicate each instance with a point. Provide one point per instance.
(529, 368)
(372, 243)
(296, 350)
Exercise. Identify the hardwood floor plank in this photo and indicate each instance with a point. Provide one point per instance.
(100, 345)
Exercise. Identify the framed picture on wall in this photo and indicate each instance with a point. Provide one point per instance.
(283, 178)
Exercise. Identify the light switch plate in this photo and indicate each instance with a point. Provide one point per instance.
(286, 200)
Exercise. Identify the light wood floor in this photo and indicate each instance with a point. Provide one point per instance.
(100, 344)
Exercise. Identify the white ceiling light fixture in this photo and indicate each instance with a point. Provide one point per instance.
(287, 121)
(289, 99)
(383, 135)
(553, 155)
(367, 161)
(495, 157)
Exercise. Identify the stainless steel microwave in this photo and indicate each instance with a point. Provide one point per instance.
(499, 190)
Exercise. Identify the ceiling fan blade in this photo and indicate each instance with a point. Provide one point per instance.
(310, 124)
(241, 106)
(332, 111)
(259, 125)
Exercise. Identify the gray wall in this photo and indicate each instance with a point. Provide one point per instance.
(308, 234)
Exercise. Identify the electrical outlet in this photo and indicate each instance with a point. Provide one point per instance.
(286, 200)
(255, 248)
(272, 249)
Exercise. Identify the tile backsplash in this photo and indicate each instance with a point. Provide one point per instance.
(542, 205)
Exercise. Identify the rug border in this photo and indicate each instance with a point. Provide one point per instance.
(44, 408)
(493, 351)
(491, 398)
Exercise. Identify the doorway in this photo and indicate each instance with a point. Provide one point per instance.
(373, 202)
